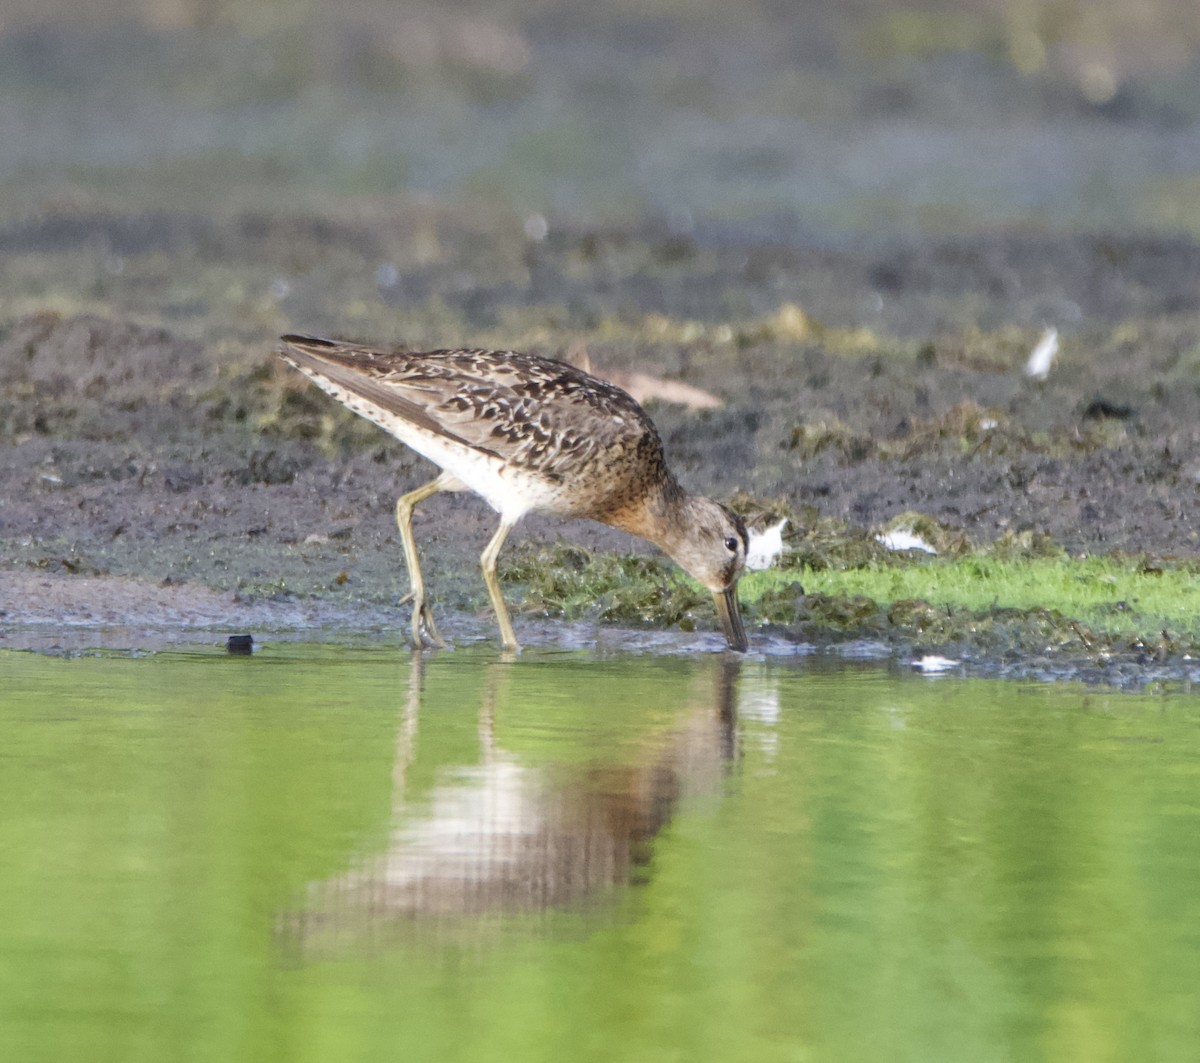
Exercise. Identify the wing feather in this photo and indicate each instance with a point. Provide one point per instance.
(533, 413)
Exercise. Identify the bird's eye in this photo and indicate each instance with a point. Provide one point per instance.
(731, 544)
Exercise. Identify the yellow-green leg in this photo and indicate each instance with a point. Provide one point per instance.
(487, 561)
(422, 615)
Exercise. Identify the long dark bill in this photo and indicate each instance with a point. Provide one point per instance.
(730, 615)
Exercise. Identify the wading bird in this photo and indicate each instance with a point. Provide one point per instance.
(529, 434)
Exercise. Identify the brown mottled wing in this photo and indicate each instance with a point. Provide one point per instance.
(353, 368)
(533, 413)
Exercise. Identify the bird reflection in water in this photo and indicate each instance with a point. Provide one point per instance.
(504, 837)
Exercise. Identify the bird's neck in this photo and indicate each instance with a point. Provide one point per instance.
(660, 516)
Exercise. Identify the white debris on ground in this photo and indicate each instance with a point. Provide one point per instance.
(645, 387)
(904, 539)
(765, 546)
(932, 664)
(1042, 358)
(537, 228)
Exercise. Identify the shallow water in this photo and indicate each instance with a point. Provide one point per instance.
(354, 853)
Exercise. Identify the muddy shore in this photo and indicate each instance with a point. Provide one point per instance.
(188, 484)
(851, 229)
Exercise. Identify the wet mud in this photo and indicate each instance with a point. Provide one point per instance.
(232, 493)
(852, 229)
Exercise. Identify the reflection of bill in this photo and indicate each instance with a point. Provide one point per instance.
(506, 837)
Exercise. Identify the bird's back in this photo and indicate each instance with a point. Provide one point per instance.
(579, 445)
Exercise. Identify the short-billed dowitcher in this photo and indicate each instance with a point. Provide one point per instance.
(529, 433)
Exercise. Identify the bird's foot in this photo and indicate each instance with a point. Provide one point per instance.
(431, 630)
(424, 630)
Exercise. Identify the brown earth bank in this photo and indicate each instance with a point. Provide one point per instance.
(856, 382)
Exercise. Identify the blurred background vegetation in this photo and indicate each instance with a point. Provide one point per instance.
(827, 117)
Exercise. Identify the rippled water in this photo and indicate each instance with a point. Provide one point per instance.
(357, 854)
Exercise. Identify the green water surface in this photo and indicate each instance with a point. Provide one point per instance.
(338, 854)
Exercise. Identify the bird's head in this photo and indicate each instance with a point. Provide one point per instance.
(713, 551)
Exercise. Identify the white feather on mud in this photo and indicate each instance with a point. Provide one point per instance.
(1041, 360)
(904, 539)
(932, 664)
(765, 546)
